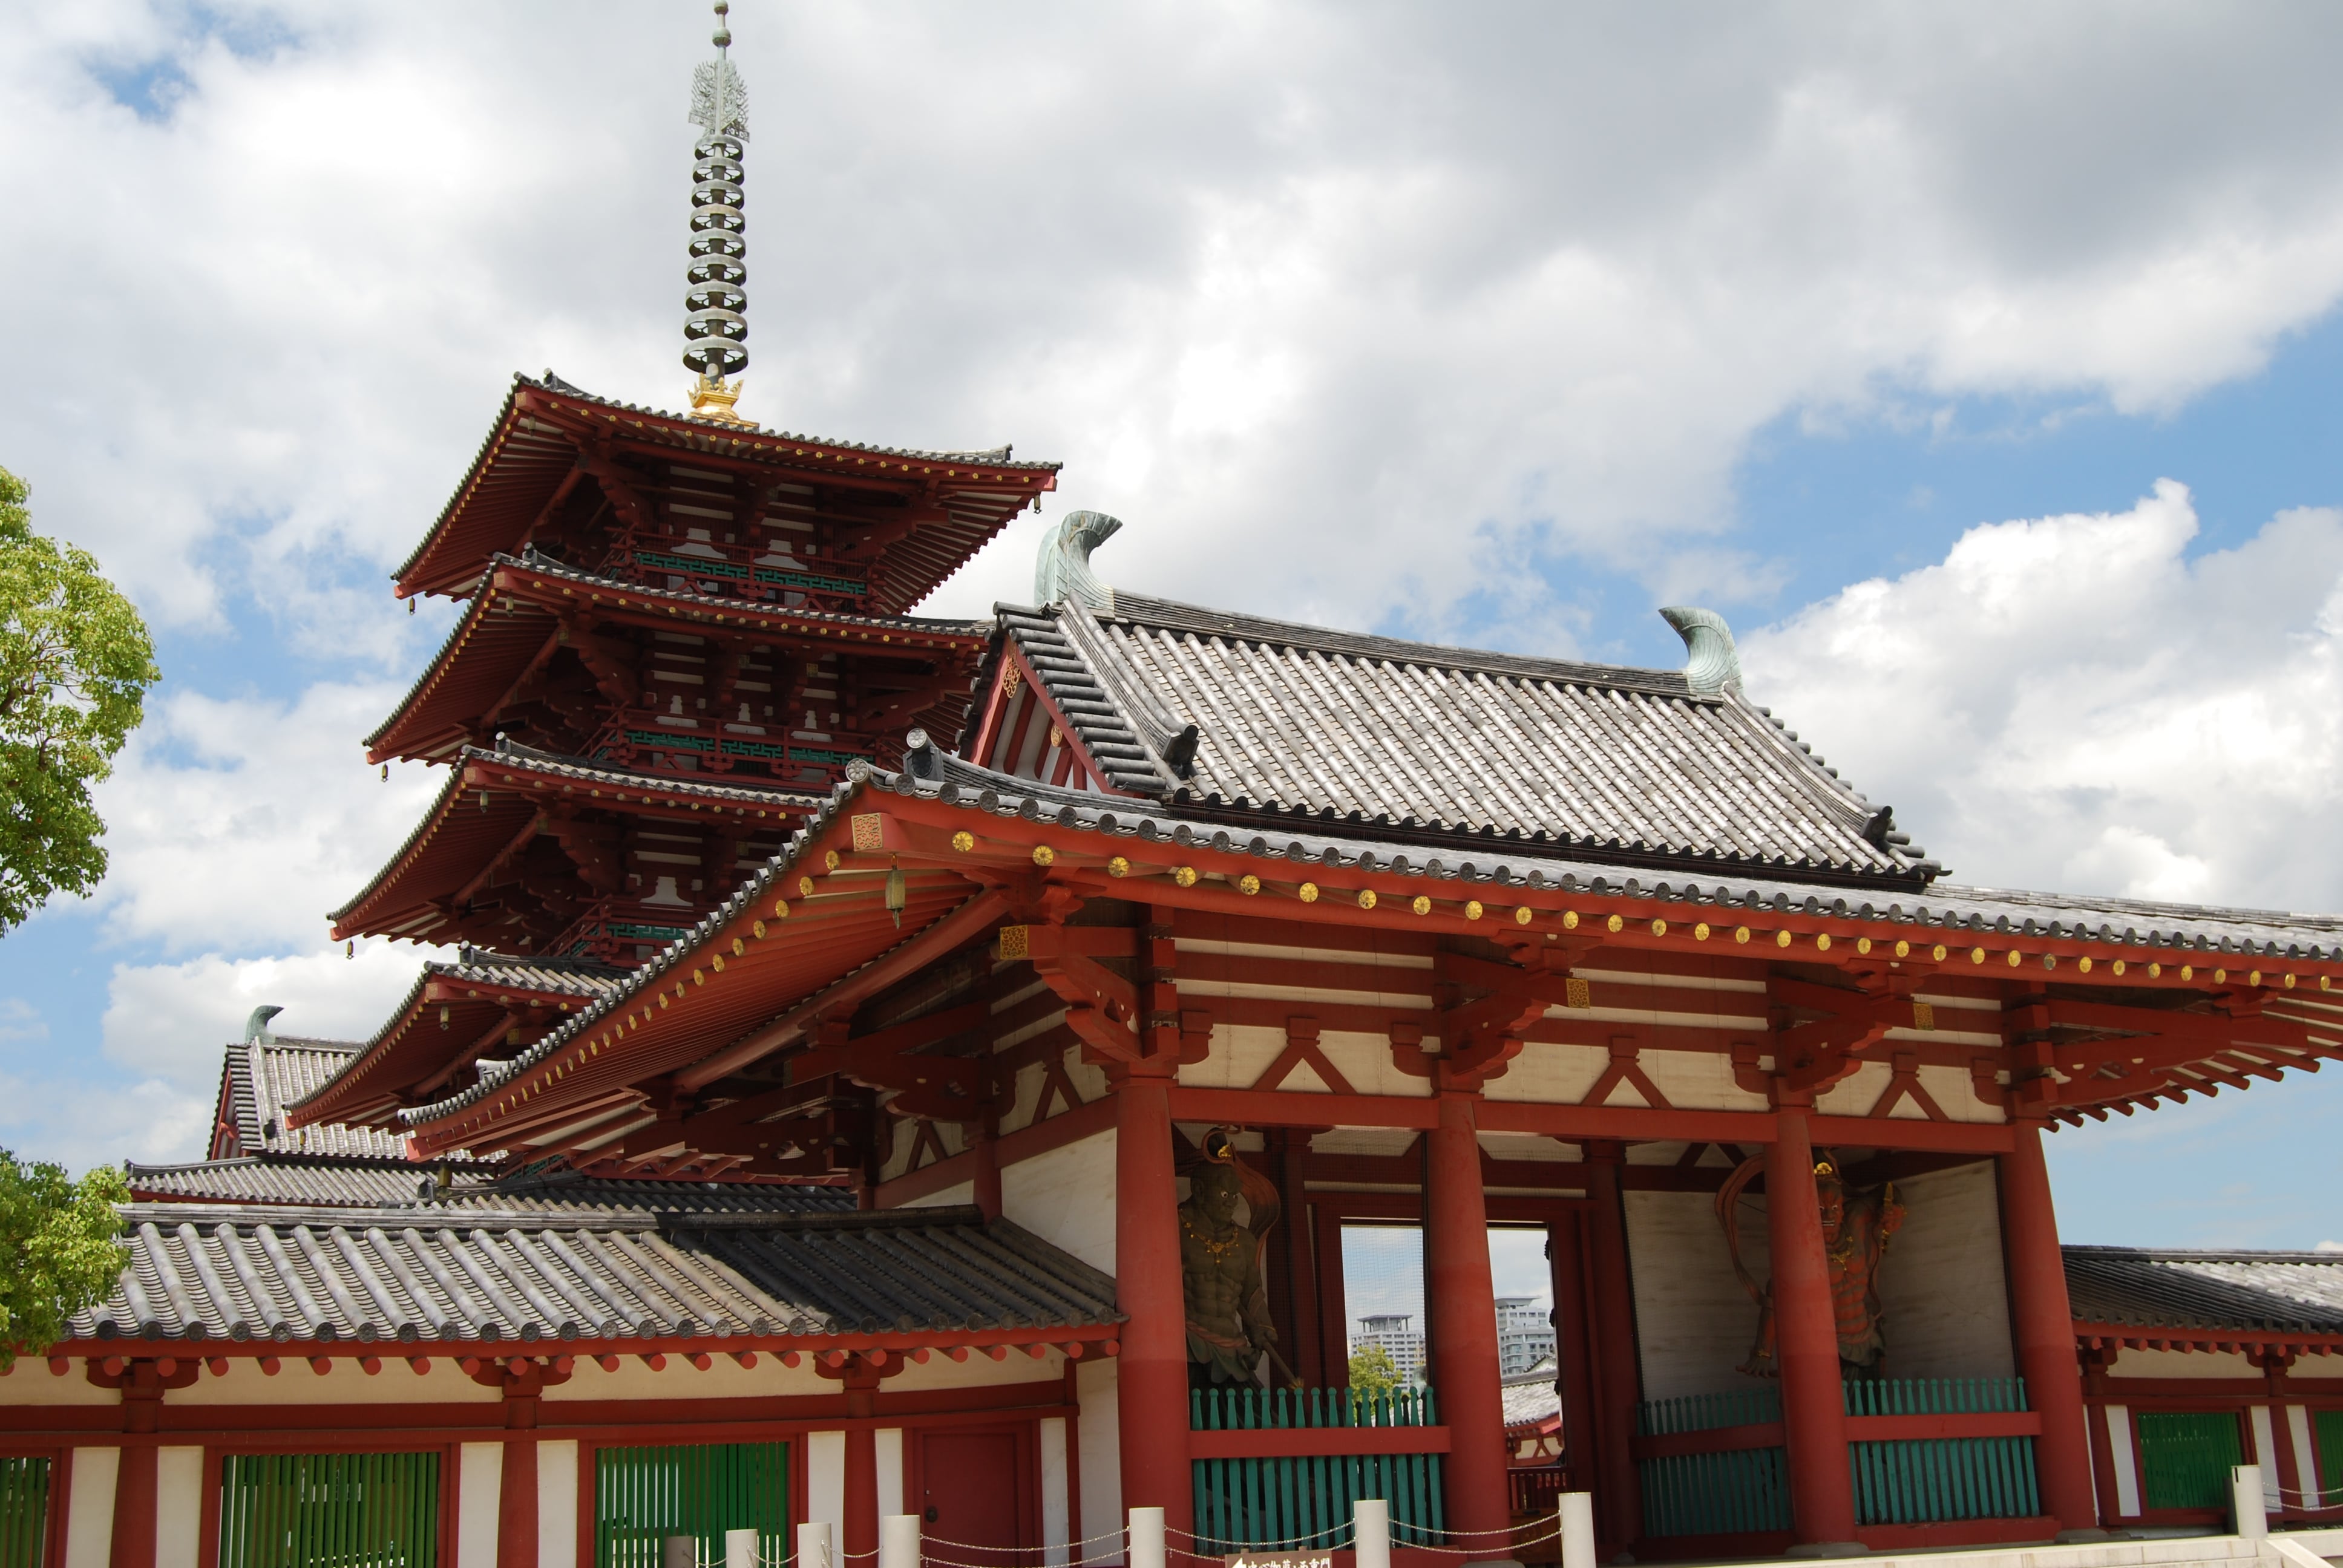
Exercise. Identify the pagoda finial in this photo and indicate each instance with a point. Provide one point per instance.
(715, 331)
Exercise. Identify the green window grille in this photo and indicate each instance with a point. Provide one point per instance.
(330, 1511)
(1739, 1492)
(2329, 1426)
(1305, 1499)
(643, 1495)
(2185, 1459)
(1930, 1480)
(24, 1512)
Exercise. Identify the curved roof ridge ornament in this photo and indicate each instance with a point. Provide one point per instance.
(1711, 664)
(1061, 571)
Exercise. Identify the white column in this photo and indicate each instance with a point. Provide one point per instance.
(740, 1549)
(1146, 1550)
(89, 1507)
(2127, 1464)
(818, 1538)
(1100, 1510)
(2246, 1520)
(1371, 1532)
(1053, 1492)
(557, 1504)
(179, 1506)
(2306, 1455)
(887, 1443)
(898, 1540)
(824, 1464)
(479, 1470)
(2265, 1459)
(1577, 1511)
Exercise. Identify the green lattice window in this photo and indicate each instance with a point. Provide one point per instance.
(2329, 1426)
(643, 1495)
(330, 1511)
(2186, 1458)
(24, 1512)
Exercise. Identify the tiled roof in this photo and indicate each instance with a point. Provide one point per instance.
(1533, 1396)
(264, 1076)
(2136, 1287)
(481, 1274)
(502, 634)
(1448, 746)
(533, 446)
(407, 1185)
(395, 1055)
(2153, 930)
(459, 832)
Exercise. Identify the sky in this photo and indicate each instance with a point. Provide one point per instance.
(1979, 364)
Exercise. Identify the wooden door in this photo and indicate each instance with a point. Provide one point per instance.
(977, 1490)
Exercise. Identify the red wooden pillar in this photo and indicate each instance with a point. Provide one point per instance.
(984, 1154)
(516, 1481)
(1152, 1375)
(1616, 1384)
(1333, 1302)
(1462, 1302)
(859, 1533)
(1299, 1256)
(133, 1543)
(1574, 1364)
(1813, 1404)
(2046, 1331)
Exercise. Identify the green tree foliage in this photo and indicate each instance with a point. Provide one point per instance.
(58, 1250)
(1373, 1370)
(74, 666)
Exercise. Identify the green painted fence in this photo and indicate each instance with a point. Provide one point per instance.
(330, 1511)
(2185, 1458)
(2329, 1426)
(1303, 1501)
(24, 1512)
(1907, 1481)
(643, 1495)
(1738, 1492)
(1928, 1480)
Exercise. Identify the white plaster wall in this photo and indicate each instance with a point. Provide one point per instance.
(2315, 1366)
(1366, 1061)
(1693, 1323)
(178, 1505)
(298, 1383)
(481, 1469)
(1240, 1054)
(2184, 1364)
(1698, 1081)
(1940, 1284)
(1859, 1091)
(1949, 1087)
(2305, 1451)
(89, 1507)
(724, 1379)
(825, 1462)
(33, 1383)
(1101, 1449)
(2127, 1467)
(957, 1192)
(557, 1504)
(1550, 1074)
(1066, 1197)
(1052, 1436)
(979, 1371)
(887, 1443)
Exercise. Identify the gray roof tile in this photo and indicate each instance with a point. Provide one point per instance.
(1440, 744)
(2137, 1287)
(476, 1273)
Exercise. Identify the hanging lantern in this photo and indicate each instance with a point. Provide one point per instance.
(443, 1015)
(350, 948)
(898, 892)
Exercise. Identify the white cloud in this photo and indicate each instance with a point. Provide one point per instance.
(2075, 703)
(168, 1021)
(1297, 289)
(235, 825)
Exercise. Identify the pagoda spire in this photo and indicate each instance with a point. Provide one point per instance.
(716, 330)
